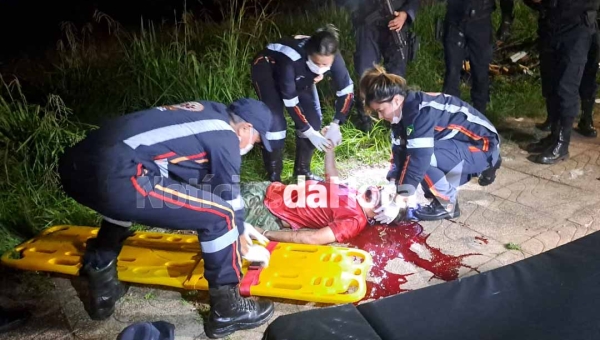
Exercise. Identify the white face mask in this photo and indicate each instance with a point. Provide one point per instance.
(248, 147)
(314, 68)
(396, 119)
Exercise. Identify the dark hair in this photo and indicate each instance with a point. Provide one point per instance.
(378, 86)
(324, 42)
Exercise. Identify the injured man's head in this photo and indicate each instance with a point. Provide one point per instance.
(372, 199)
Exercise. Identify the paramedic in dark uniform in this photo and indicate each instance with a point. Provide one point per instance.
(284, 75)
(438, 141)
(468, 31)
(174, 167)
(567, 30)
(374, 41)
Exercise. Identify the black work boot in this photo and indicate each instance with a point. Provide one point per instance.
(436, 211)
(559, 149)
(364, 121)
(273, 164)
(545, 126)
(103, 290)
(304, 154)
(544, 143)
(229, 312)
(586, 122)
(488, 176)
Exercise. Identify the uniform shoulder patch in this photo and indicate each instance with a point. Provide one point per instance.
(409, 129)
(188, 106)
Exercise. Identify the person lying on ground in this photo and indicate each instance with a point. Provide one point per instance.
(330, 210)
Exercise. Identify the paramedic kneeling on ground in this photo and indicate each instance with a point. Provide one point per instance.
(438, 140)
(334, 211)
(174, 167)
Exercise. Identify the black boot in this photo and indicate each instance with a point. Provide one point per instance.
(273, 164)
(545, 126)
(104, 290)
(229, 312)
(488, 176)
(559, 149)
(304, 153)
(436, 211)
(544, 143)
(586, 122)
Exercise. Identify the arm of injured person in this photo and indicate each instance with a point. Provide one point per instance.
(320, 236)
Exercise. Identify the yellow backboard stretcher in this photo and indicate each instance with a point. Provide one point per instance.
(313, 273)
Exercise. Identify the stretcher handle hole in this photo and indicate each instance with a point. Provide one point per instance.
(317, 281)
(126, 259)
(353, 287)
(73, 253)
(303, 249)
(329, 282)
(174, 239)
(45, 251)
(151, 237)
(358, 272)
(64, 262)
(287, 286)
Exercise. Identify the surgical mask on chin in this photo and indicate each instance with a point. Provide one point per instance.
(396, 119)
(314, 68)
(248, 147)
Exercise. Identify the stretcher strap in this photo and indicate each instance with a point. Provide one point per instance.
(253, 274)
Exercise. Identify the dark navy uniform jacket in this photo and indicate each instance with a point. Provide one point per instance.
(465, 10)
(293, 76)
(367, 7)
(427, 117)
(191, 143)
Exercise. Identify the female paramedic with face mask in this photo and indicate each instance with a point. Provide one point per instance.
(285, 75)
(438, 141)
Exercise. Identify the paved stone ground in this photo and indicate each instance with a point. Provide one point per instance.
(537, 207)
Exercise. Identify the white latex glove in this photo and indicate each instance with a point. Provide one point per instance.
(250, 232)
(259, 254)
(334, 134)
(387, 213)
(317, 139)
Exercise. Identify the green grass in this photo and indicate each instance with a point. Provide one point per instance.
(92, 78)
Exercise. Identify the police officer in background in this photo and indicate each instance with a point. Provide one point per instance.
(587, 91)
(468, 31)
(508, 16)
(374, 41)
(567, 29)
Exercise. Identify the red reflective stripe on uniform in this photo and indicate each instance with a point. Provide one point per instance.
(404, 170)
(212, 211)
(473, 149)
(139, 169)
(347, 103)
(439, 128)
(137, 186)
(252, 276)
(165, 155)
(187, 158)
(299, 114)
(432, 188)
(471, 135)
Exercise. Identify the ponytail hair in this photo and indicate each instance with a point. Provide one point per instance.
(378, 86)
(324, 42)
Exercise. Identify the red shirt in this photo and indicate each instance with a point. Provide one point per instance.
(316, 205)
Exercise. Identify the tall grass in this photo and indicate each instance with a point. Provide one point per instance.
(97, 76)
